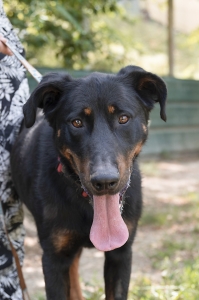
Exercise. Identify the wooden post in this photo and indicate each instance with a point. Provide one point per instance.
(170, 38)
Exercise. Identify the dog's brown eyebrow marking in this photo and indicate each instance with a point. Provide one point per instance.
(111, 109)
(87, 111)
(59, 132)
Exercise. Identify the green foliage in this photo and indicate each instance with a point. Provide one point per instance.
(64, 26)
(98, 35)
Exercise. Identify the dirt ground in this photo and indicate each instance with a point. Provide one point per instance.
(165, 181)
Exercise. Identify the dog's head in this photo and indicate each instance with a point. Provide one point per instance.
(100, 124)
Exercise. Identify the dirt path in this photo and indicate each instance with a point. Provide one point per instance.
(164, 183)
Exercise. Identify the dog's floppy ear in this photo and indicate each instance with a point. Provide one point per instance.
(46, 96)
(149, 87)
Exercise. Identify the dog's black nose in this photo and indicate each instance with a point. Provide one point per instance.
(104, 181)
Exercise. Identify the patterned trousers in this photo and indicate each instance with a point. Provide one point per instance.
(14, 92)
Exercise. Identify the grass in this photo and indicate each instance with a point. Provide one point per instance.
(176, 256)
(174, 251)
(175, 284)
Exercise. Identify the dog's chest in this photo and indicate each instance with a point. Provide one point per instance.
(65, 240)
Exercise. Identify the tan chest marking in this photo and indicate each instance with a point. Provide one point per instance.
(62, 240)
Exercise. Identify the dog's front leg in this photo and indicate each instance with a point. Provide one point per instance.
(117, 272)
(56, 274)
(61, 277)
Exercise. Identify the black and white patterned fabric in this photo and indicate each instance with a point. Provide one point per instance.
(14, 92)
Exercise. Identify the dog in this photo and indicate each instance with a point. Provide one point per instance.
(77, 171)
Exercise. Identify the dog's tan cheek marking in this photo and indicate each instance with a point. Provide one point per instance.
(75, 289)
(87, 111)
(134, 152)
(69, 155)
(111, 109)
(59, 133)
(77, 164)
(122, 165)
(125, 163)
(138, 148)
(66, 153)
(85, 169)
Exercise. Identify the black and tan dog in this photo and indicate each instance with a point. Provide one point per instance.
(76, 170)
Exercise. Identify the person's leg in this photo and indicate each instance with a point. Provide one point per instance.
(14, 92)
(12, 215)
(12, 218)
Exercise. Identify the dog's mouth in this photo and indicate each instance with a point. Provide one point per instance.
(86, 193)
(108, 230)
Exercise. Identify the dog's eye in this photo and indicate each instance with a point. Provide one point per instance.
(123, 119)
(77, 123)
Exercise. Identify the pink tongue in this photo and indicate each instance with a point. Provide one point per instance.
(108, 230)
